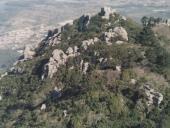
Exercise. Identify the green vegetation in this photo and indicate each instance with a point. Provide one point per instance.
(101, 98)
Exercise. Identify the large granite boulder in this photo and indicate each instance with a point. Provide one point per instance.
(58, 58)
(121, 33)
(118, 33)
(29, 53)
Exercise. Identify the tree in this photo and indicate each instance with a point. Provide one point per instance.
(152, 22)
(147, 37)
(145, 21)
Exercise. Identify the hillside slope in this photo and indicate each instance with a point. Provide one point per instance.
(100, 71)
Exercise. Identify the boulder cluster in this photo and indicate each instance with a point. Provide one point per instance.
(153, 97)
(84, 20)
(118, 33)
(72, 52)
(89, 42)
(58, 58)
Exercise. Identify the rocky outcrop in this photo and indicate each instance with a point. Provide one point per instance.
(3, 75)
(121, 33)
(118, 68)
(120, 42)
(133, 81)
(153, 97)
(72, 52)
(16, 70)
(43, 107)
(54, 36)
(56, 39)
(124, 18)
(117, 33)
(65, 113)
(83, 23)
(108, 36)
(89, 42)
(106, 12)
(29, 53)
(0, 97)
(58, 58)
(84, 66)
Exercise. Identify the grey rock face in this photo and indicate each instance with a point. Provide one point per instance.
(153, 97)
(109, 35)
(118, 33)
(29, 53)
(84, 66)
(121, 33)
(89, 42)
(58, 58)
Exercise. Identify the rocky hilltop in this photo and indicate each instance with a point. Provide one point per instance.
(98, 71)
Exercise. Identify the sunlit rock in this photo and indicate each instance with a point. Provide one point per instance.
(89, 42)
(0, 97)
(116, 33)
(43, 107)
(29, 53)
(72, 52)
(58, 58)
(65, 113)
(120, 42)
(119, 68)
(153, 97)
(133, 81)
(121, 33)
